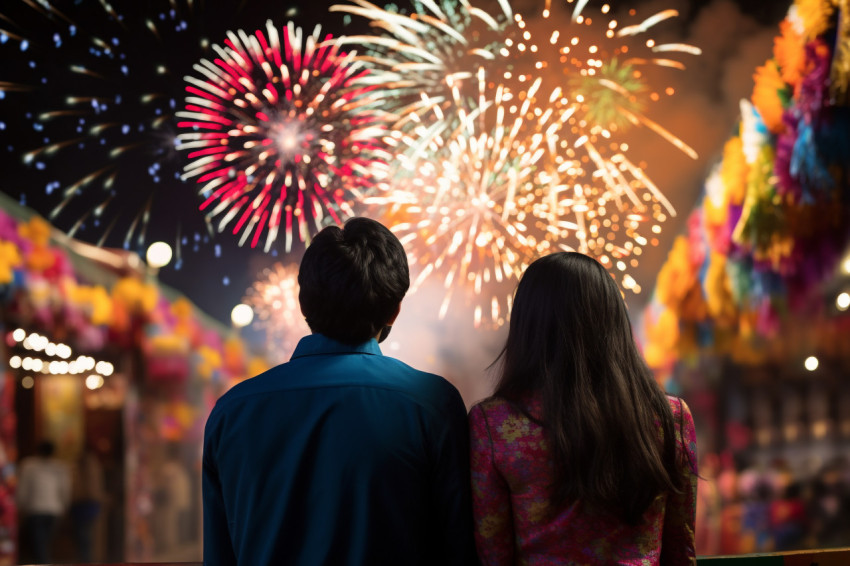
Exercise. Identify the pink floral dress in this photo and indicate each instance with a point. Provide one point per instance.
(510, 471)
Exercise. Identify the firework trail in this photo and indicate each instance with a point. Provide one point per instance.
(93, 89)
(281, 130)
(274, 298)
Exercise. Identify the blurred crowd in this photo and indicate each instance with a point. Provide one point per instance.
(744, 507)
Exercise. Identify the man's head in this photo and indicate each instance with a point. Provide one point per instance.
(352, 280)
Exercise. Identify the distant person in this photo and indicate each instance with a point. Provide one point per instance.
(43, 494)
(173, 500)
(579, 457)
(341, 456)
(87, 498)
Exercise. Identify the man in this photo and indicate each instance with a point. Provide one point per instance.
(341, 456)
(43, 495)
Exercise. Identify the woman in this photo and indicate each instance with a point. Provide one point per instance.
(579, 457)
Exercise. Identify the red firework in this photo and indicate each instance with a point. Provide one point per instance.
(282, 131)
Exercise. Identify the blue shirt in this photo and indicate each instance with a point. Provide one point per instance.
(342, 456)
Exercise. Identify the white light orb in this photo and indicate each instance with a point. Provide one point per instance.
(843, 301)
(63, 351)
(241, 315)
(15, 362)
(94, 381)
(19, 334)
(158, 254)
(811, 363)
(104, 368)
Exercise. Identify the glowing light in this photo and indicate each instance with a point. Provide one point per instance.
(15, 362)
(94, 381)
(843, 301)
(19, 334)
(811, 363)
(27, 382)
(158, 254)
(104, 368)
(241, 315)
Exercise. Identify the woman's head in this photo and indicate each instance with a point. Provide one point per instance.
(567, 308)
(570, 345)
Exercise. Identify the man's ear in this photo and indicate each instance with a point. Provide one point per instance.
(391, 321)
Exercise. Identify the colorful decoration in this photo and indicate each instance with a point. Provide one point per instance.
(775, 215)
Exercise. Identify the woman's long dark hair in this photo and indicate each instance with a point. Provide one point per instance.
(570, 343)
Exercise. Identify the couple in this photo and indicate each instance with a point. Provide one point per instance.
(345, 456)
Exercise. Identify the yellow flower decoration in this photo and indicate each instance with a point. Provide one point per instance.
(677, 276)
(768, 83)
(37, 231)
(734, 170)
(718, 291)
(257, 365)
(136, 296)
(168, 344)
(182, 308)
(789, 52)
(95, 301)
(40, 258)
(815, 16)
(10, 258)
(662, 337)
(210, 361)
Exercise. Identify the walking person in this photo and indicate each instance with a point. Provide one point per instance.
(342, 456)
(87, 497)
(43, 495)
(579, 457)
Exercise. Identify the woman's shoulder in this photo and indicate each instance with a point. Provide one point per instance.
(497, 410)
(679, 408)
(490, 408)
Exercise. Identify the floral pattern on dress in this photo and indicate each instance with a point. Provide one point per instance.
(510, 471)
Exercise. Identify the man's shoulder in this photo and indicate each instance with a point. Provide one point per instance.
(381, 373)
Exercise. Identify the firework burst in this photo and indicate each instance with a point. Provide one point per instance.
(94, 98)
(281, 130)
(428, 59)
(274, 298)
(595, 80)
(462, 214)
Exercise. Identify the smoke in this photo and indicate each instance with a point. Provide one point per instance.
(451, 347)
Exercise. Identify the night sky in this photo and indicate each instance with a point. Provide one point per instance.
(136, 75)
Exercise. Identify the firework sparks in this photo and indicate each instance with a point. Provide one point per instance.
(427, 58)
(462, 213)
(274, 298)
(281, 129)
(98, 82)
(597, 199)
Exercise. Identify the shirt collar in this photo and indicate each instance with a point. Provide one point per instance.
(319, 344)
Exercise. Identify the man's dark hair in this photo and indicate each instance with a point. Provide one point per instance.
(352, 279)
